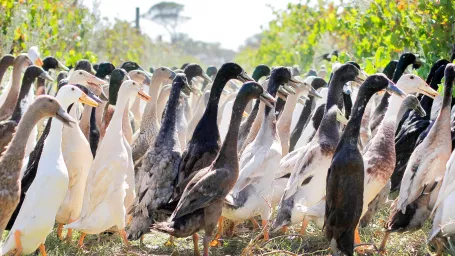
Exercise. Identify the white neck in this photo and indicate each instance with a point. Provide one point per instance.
(394, 107)
(122, 103)
(289, 106)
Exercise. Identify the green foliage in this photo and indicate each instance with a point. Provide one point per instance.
(370, 32)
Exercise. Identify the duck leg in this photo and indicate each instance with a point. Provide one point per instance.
(69, 235)
(265, 230)
(170, 242)
(81, 240)
(255, 224)
(59, 231)
(356, 236)
(384, 241)
(141, 241)
(439, 247)
(123, 235)
(206, 241)
(42, 250)
(216, 242)
(195, 244)
(284, 229)
(304, 225)
(17, 239)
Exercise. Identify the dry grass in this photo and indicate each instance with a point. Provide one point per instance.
(312, 243)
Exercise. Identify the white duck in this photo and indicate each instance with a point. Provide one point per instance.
(37, 214)
(105, 191)
(258, 164)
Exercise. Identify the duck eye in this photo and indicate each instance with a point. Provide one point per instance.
(412, 77)
(72, 89)
(80, 73)
(162, 69)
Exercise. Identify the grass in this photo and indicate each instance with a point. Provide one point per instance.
(312, 243)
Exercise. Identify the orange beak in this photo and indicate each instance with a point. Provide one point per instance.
(143, 95)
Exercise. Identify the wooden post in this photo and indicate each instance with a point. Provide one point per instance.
(137, 19)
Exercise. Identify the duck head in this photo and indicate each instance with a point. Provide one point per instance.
(7, 60)
(51, 62)
(380, 82)
(232, 70)
(140, 77)
(253, 90)
(132, 88)
(84, 78)
(164, 73)
(73, 93)
(260, 71)
(49, 106)
(85, 65)
(211, 71)
(411, 83)
(118, 77)
(412, 102)
(193, 70)
(33, 54)
(131, 65)
(104, 69)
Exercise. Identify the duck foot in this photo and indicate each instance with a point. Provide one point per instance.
(366, 249)
(255, 224)
(356, 236)
(170, 242)
(42, 250)
(141, 241)
(304, 226)
(384, 242)
(216, 241)
(265, 229)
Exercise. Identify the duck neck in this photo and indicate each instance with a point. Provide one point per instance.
(168, 125)
(117, 117)
(208, 121)
(16, 148)
(446, 100)
(150, 113)
(22, 99)
(53, 141)
(352, 130)
(291, 101)
(394, 108)
(228, 153)
(11, 98)
(3, 67)
(334, 93)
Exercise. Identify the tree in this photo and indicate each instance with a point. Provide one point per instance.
(169, 15)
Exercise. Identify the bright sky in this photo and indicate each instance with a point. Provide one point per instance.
(229, 22)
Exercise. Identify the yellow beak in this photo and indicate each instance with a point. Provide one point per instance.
(39, 62)
(88, 101)
(245, 114)
(143, 95)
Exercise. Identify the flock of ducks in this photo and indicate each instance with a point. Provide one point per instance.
(179, 150)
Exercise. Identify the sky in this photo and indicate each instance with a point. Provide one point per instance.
(229, 22)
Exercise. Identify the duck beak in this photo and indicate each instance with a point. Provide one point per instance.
(62, 67)
(425, 89)
(87, 100)
(103, 96)
(314, 93)
(289, 89)
(393, 89)
(147, 80)
(64, 117)
(360, 78)
(283, 91)
(245, 114)
(267, 99)
(143, 95)
(95, 81)
(303, 99)
(341, 118)
(46, 76)
(419, 109)
(207, 78)
(172, 76)
(294, 82)
(244, 77)
(38, 62)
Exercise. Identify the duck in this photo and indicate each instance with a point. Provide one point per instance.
(405, 60)
(410, 130)
(7, 126)
(21, 62)
(259, 72)
(204, 144)
(91, 117)
(149, 125)
(284, 122)
(306, 185)
(379, 155)
(345, 177)
(258, 164)
(49, 63)
(118, 76)
(11, 160)
(5, 62)
(317, 83)
(159, 167)
(201, 203)
(104, 197)
(443, 211)
(74, 166)
(422, 179)
(36, 217)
